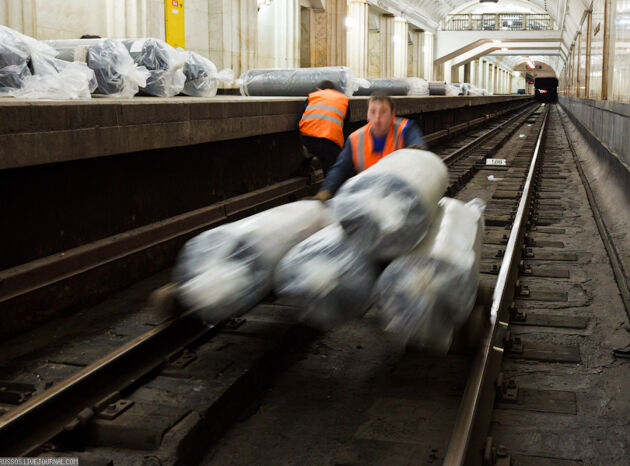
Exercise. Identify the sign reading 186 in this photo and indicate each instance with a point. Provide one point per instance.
(499, 162)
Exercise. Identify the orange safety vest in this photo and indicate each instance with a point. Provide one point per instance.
(324, 115)
(363, 154)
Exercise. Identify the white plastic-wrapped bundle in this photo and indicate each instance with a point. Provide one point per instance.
(202, 77)
(117, 75)
(418, 87)
(14, 63)
(426, 295)
(327, 277)
(225, 271)
(453, 91)
(385, 86)
(387, 209)
(164, 63)
(33, 72)
(297, 81)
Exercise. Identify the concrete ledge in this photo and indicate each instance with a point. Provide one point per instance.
(40, 132)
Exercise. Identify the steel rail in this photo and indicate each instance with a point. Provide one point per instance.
(26, 428)
(480, 384)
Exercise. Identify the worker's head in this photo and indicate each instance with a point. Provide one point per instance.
(381, 113)
(326, 84)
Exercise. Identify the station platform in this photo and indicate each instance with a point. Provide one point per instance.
(42, 132)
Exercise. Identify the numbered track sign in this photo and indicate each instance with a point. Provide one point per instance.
(496, 162)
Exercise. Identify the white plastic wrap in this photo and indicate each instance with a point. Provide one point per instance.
(164, 63)
(225, 271)
(328, 278)
(452, 91)
(14, 62)
(426, 295)
(296, 81)
(387, 209)
(202, 77)
(418, 87)
(48, 77)
(117, 75)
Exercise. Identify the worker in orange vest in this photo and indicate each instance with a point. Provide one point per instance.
(383, 134)
(321, 126)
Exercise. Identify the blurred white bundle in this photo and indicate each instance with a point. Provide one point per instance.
(164, 63)
(387, 209)
(453, 91)
(202, 77)
(418, 87)
(426, 295)
(327, 277)
(29, 69)
(116, 73)
(227, 270)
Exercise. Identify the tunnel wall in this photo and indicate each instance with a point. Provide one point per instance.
(606, 125)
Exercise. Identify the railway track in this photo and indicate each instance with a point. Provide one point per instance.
(184, 384)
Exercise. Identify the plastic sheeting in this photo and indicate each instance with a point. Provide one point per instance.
(164, 63)
(418, 87)
(33, 72)
(225, 271)
(296, 81)
(327, 277)
(385, 86)
(116, 73)
(14, 64)
(426, 295)
(387, 209)
(202, 77)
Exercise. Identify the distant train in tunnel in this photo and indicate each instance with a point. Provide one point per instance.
(546, 89)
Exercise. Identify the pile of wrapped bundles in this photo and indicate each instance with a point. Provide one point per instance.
(202, 77)
(384, 86)
(328, 277)
(29, 69)
(326, 263)
(427, 294)
(463, 88)
(387, 209)
(297, 81)
(225, 271)
(117, 75)
(166, 77)
(418, 87)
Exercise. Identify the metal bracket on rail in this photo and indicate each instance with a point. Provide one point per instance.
(512, 344)
(516, 315)
(495, 456)
(507, 390)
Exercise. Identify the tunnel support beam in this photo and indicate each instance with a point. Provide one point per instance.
(606, 49)
(587, 74)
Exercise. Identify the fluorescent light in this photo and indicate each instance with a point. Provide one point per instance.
(505, 49)
(496, 41)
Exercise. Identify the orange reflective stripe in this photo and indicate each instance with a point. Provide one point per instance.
(324, 115)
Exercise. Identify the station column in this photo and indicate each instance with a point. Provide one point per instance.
(387, 33)
(357, 37)
(401, 43)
